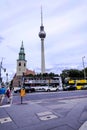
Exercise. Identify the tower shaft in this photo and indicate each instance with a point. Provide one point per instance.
(42, 57)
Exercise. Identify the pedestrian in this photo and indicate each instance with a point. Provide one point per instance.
(8, 94)
(2, 94)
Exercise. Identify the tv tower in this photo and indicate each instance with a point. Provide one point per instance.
(42, 35)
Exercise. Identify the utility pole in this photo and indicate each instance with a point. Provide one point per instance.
(1, 67)
(84, 67)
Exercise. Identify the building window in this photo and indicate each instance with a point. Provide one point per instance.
(19, 63)
(24, 64)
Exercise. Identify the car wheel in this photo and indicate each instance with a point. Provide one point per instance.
(48, 90)
(56, 89)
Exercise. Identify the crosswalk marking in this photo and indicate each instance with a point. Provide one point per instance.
(5, 120)
(84, 126)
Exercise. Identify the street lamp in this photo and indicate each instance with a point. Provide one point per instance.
(84, 67)
(6, 78)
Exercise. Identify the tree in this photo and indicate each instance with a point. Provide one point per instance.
(74, 74)
(64, 75)
(71, 74)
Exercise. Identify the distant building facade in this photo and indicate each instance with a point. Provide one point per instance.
(21, 68)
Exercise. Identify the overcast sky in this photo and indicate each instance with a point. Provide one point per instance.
(65, 24)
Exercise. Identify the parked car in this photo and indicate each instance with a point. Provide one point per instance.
(39, 88)
(50, 88)
(28, 89)
(16, 89)
(46, 88)
(70, 87)
(84, 87)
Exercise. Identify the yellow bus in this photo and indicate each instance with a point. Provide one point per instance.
(80, 83)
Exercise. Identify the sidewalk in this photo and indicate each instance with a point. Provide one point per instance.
(44, 115)
(5, 101)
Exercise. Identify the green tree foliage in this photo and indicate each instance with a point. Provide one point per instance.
(72, 74)
(64, 74)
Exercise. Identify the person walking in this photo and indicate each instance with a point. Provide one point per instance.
(8, 94)
(2, 94)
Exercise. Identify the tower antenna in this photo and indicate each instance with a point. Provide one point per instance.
(41, 16)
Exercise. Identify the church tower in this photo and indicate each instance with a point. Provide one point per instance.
(21, 62)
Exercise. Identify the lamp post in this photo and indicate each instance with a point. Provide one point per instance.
(7, 78)
(0, 72)
(84, 67)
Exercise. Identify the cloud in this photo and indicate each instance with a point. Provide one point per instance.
(65, 24)
(1, 39)
(70, 20)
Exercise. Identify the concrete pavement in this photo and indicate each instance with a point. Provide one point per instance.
(52, 114)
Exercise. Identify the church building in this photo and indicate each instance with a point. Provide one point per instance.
(21, 68)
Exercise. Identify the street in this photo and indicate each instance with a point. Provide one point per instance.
(63, 110)
(51, 95)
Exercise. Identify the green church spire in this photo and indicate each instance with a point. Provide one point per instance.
(22, 53)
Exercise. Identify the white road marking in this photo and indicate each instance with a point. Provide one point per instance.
(44, 113)
(5, 120)
(84, 126)
(47, 115)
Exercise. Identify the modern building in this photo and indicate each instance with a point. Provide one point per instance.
(42, 36)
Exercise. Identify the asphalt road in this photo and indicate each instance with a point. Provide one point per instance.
(51, 95)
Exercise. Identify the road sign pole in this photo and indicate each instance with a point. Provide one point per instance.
(21, 99)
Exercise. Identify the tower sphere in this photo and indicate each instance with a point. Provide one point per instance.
(42, 34)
